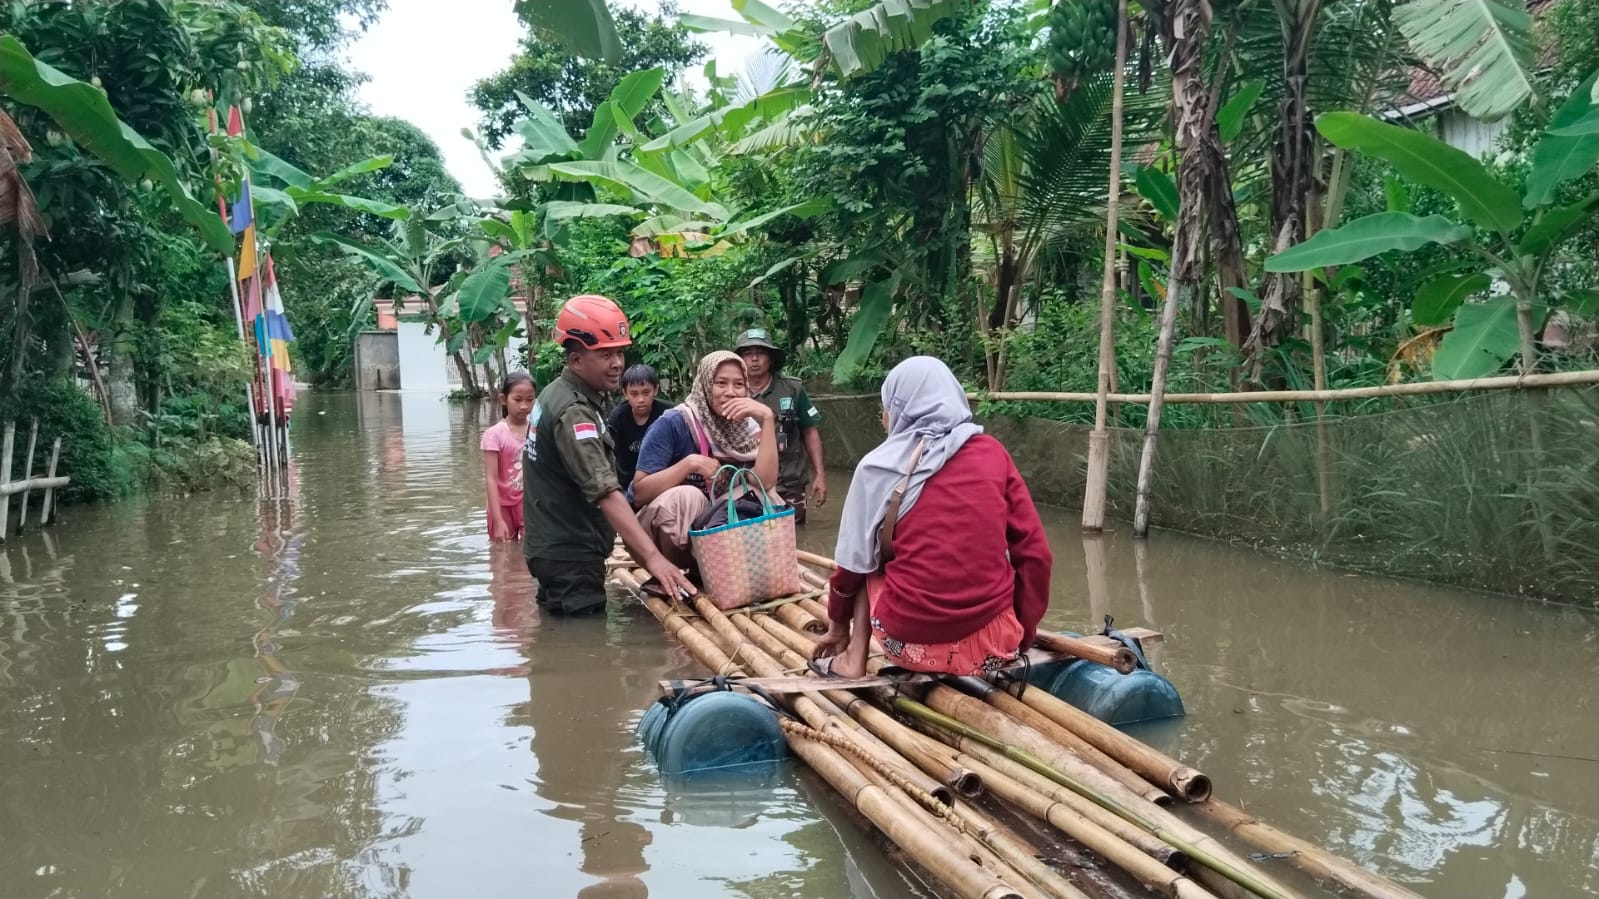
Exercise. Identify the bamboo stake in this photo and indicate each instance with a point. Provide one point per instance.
(5, 476)
(1414, 388)
(27, 474)
(1319, 379)
(1099, 439)
(978, 721)
(1313, 860)
(1156, 767)
(48, 507)
(1157, 387)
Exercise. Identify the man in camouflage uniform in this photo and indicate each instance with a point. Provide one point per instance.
(572, 505)
(799, 443)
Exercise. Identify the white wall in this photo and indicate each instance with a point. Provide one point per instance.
(1476, 137)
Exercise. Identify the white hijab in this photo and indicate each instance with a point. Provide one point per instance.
(923, 400)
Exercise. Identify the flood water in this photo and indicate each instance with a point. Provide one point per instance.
(347, 694)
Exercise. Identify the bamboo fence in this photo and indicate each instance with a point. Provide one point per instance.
(1414, 388)
(27, 483)
(937, 767)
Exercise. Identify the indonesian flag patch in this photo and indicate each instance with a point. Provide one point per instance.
(585, 431)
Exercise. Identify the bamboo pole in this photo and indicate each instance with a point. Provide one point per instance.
(47, 509)
(27, 475)
(1157, 387)
(976, 720)
(926, 846)
(1099, 440)
(1414, 388)
(989, 845)
(811, 558)
(990, 763)
(1120, 658)
(1085, 750)
(815, 608)
(799, 619)
(920, 840)
(1156, 767)
(1313, 860)
(5, 476)
(895, 735)
(764, 658)
(1118, 842)
(1319, 380)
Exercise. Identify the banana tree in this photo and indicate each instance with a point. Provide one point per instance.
(410, 262)
(1485, 50)
(584, 26)
(1504, 232)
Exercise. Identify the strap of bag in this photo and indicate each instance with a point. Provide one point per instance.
(703, 443)
(741, 478)
(697, 431)
(885, 534)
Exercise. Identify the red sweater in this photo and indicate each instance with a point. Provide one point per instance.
(971, 546)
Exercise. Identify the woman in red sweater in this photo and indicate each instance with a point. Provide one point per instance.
(940, 555)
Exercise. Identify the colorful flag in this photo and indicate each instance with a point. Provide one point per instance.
(277, 323)
(243, 209)
(247, 254)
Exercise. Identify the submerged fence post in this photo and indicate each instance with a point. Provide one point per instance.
(50, 492)
(27, 473)
(5, 476)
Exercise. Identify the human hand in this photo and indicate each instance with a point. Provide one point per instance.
(832, 643)
(669, 577)
(704, 466)
(499, 531)
(744, 407)
(819, 489)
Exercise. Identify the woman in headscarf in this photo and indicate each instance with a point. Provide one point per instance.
(717, 425)
(940, 555)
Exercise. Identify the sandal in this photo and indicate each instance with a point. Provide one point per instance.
(823, 667)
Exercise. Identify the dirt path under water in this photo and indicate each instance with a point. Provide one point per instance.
(347, 694)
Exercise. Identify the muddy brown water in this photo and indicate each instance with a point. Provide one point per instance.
(348, 694)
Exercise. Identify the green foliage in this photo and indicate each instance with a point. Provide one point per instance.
(863, 41)
(1483, 338)
(1363, 238)
(1484, 48)
(575, 86)
(82, 111)
(1483, 335)
(584, 26)
(1426, 160)
(64, 410)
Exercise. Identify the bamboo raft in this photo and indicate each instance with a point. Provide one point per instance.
(977, 783)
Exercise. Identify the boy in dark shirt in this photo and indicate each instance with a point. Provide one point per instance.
(629, 420)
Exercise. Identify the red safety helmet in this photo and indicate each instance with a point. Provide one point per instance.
(594, 321)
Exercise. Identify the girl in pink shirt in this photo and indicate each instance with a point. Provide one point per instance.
(502, 457)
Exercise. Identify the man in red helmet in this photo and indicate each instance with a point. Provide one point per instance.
(571, 501)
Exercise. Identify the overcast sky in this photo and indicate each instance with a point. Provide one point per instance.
(423, 56)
